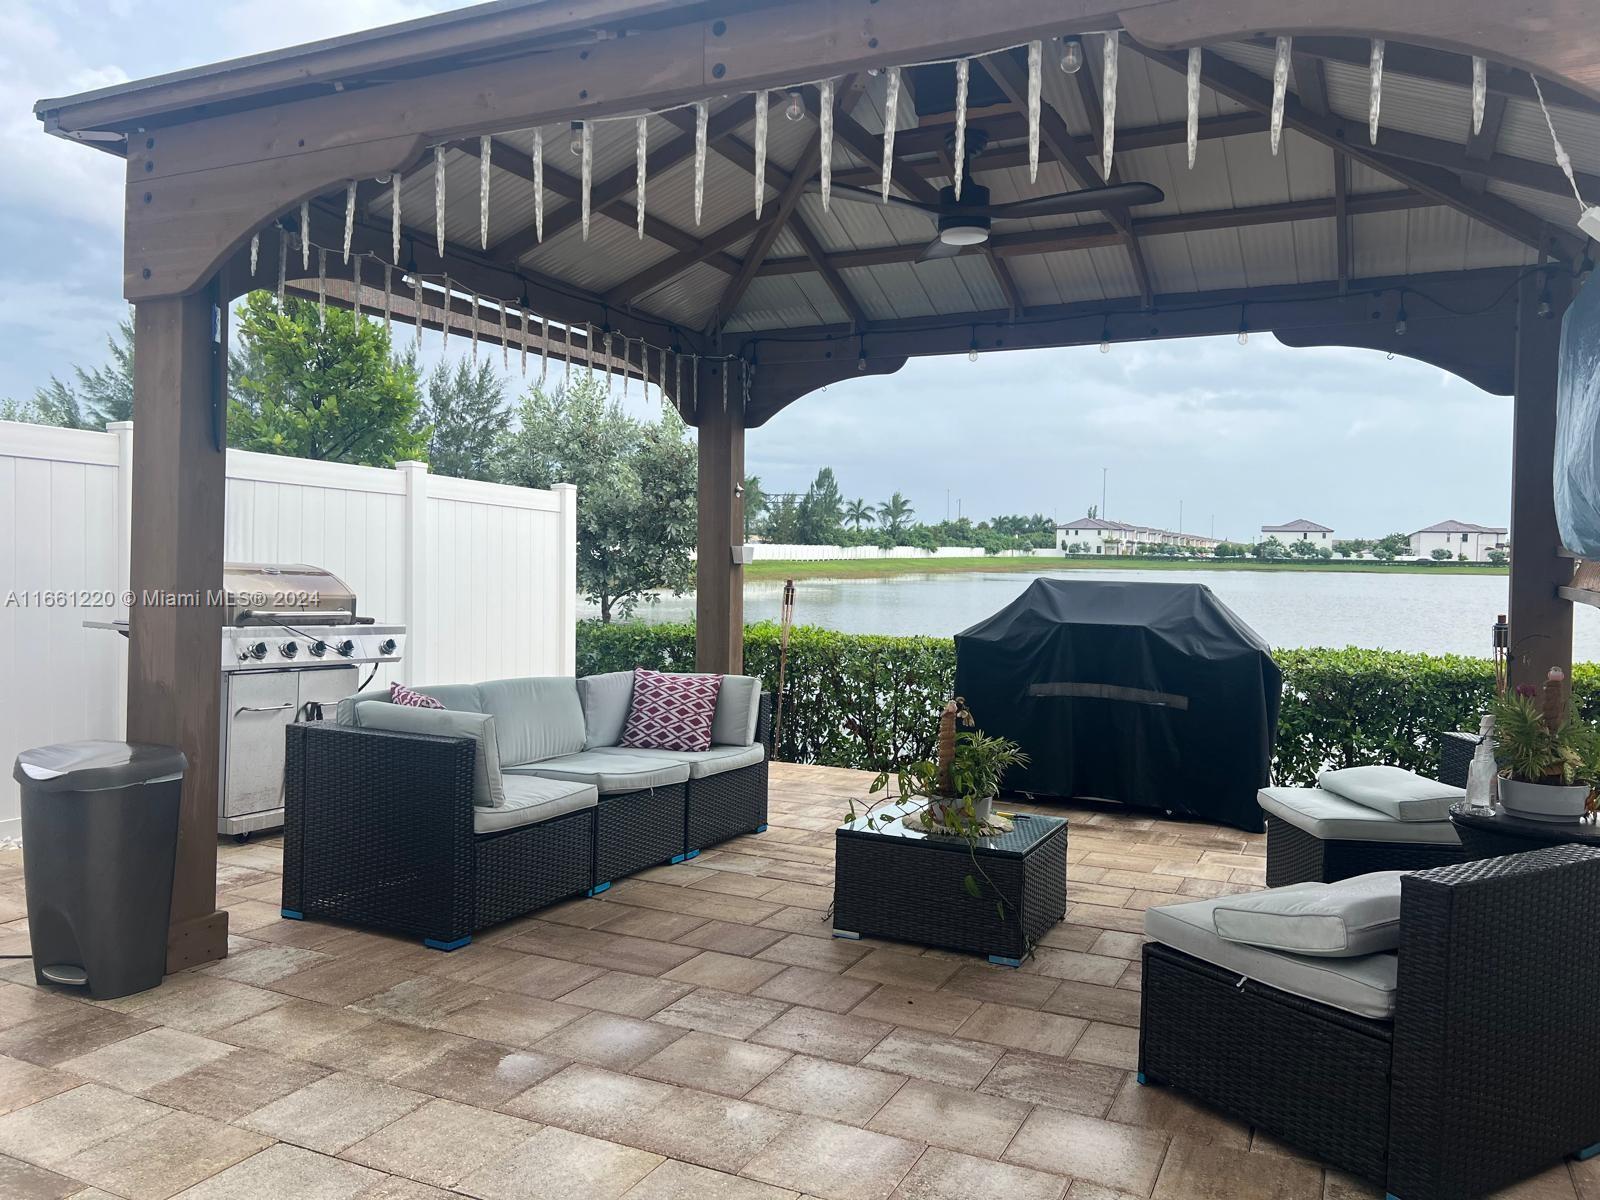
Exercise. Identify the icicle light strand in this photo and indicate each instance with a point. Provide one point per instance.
(322, 286)
(438, 196)
(586, 145)
(538, 185)
(891, 111)
(1280, 89)
(1035, 74)
(825, 140)
(355, 290)
(761, 151)
(641, 150)
(544, 347)
(394, 217)
(255, 252)
(474, 311)
(701, 117)
(566, 374)
(417, 284)
(505, 340)
(524, 340)
(1108, 102)
(1192, 130)
(388, 300)
(283, 262)
(1375, 90)
(963, 73)
(1480, 92)
(485, 149)
(349, 217)
(1563, 159)
(305, 235)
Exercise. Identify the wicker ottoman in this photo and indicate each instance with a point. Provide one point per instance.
(897, 882)
(1314, 836)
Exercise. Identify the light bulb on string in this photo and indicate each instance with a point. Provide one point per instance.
(1244, 328)
(575, 142)
(795, 109)
(972, 355)
(1071, 59)
(1546, 308)
(1400, 317)
(1105, 338)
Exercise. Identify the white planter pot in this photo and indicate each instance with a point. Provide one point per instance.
(982, 809)
(1544, 802)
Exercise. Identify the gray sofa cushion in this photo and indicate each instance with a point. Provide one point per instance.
(605, 699)
(462, 697)
(701, 762)
(535, 718)
(488, 790)
(1333, 818)
(1364, 986)
(530, 800)
(738, 710)
(609, 773)
(1336, 920)
(1393, 791)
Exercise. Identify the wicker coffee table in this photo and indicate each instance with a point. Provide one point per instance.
(1497, 832)
(900, 883)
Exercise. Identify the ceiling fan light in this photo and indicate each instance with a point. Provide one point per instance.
(963, 235)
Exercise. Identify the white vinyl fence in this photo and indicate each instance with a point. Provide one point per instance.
(767, 551)
(483, 575)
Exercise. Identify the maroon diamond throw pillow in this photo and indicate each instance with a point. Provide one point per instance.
(399, 693)
(671, 712)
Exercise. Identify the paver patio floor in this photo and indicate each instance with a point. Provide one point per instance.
(693, 1033)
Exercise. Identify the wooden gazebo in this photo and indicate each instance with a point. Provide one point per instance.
(1450, 236)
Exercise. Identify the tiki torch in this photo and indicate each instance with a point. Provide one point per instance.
(785, 626)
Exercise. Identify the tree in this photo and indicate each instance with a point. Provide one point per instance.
(95, 399)
(1272, 548)
(1497, 557)
(821, 511)
(466, 417)
(895, 513)
(1302, 548)
(783, 520)
(755, 503)
(1441, 555)
(321, 386)
(636, 489)
(858, 513)
(1352, 547)
(1392, 546)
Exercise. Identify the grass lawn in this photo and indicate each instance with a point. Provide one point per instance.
(874, 568)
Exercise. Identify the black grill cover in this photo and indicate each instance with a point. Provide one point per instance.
(1154, 695)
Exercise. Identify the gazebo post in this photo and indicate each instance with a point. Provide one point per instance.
(1540, 620)
(175, 621)
(719, 581)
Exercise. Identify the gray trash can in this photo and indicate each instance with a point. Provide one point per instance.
(99, 834)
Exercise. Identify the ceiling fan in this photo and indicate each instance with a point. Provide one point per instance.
(966, 222)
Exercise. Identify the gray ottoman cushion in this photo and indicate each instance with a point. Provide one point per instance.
(1333, 818)
(1393, 791)
(1346, 919)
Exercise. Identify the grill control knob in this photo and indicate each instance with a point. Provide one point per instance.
(346, 648)
(288, 649)
(387, 646)
(318, 649)
(257, 651)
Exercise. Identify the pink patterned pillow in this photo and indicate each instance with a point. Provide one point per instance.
(399, 693)
(671, 712)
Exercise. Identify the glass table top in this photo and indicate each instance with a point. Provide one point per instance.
(891, 821)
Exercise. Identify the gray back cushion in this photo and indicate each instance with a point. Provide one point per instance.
(488, 790)
(738, 709)
(605, 699)
(461, 697)
(536, 718)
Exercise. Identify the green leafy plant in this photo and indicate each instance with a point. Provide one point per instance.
(1540, 743)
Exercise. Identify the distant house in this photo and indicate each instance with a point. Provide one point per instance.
(1099, 536)
(1300, 530)
(1459, 537)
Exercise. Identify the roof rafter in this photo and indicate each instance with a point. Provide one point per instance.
(1482, 141)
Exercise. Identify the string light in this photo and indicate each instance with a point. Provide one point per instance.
(1105, 336)
(575, 142)
(1400, 317)
(1071, 58)
(795, 109)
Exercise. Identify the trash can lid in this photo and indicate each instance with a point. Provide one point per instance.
(97, 766)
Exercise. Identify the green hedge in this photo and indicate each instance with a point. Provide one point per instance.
(869, 702)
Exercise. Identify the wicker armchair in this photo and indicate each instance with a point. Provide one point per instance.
(1489, 1071)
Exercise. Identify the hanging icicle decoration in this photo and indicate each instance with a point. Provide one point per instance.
(538, 185)
(417, 285)
(1035, 73)
(891, 111)
(610, 372)
(474, 312)
(702, 116)
(283, 262)
(1280, 89)
(1480, 91)
(485, 149)
(505, 341)
(694, 382)
(677, 377)
(438, 196)
(825, 139)
(1375, 95)
(322, 285)
(761, 151)
(641, 149)
(1192, 129)
(394, 218)
(305, 235)
(566, 374)
(1108, 102)
(444, 316)
(586, 143)
(963, 73)
(544, 346)
(524, 341)
(388, 300)
(626, 364)
(355, 290)
(255, 252)
(349, 217)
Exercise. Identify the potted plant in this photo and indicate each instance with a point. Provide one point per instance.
(1547, 753)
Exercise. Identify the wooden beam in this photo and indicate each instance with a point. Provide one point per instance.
(1084, 237)
(1311, 81)
(174, 689)
(1341, 218)
(929, 138)
(1090, 100)
(719, 581)
(1053, 132)
(1481, 143)
(643, 282)
(1541, 622)
(1503, 168)
(1245, 87)
(830, 275)
(870, 147)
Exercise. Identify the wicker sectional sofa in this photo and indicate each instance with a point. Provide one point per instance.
(437, 823)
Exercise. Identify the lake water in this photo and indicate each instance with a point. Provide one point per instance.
(1437, 614)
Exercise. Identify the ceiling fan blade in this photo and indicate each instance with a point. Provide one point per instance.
(1118, 195)
(844, 191)
(939, 248)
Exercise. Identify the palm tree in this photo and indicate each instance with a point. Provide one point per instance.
(895, 513)
(859, 513)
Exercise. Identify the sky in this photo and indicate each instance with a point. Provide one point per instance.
(1233, 436)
